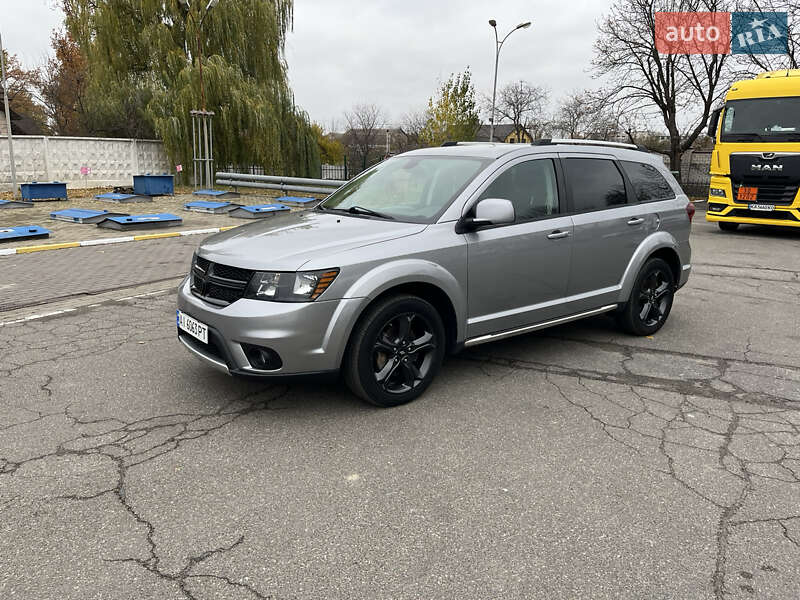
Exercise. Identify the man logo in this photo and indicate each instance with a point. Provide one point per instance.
(766, 168)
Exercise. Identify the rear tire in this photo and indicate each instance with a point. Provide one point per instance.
(727, 226)
(651, 299)
(395, 351)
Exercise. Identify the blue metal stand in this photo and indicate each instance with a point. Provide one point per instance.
(153, 221)
(27, 232)
(259, 211)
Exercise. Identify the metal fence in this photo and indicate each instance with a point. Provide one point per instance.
(695, 178)
(334, 172)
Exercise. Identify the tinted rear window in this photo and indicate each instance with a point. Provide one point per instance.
(595, 182)
(648, 184)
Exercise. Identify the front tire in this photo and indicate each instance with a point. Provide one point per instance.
(651, 299)
(395, 351)
(728, 226)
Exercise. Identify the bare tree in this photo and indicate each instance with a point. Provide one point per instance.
(524, 105)
(365, 123)
(774, 62)
(682, 89)
(408, 134)
(587, 114)
(572, 115)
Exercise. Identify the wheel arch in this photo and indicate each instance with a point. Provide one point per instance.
(659, 245)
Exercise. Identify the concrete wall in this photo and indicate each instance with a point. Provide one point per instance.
(113, 161)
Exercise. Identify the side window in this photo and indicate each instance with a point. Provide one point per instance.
(531, 187)
(595, 183)
(648, 184)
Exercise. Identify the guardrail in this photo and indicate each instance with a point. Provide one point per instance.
(277, 182)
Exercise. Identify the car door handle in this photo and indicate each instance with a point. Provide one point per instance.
(557, 235)
(636, 221)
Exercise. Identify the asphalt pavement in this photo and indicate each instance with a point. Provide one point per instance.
(576, 462)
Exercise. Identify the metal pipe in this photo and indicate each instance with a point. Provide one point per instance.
(8, 124)
(279, 179)
(211, 155)
(275, 186)
(194, 152)
(207, 184)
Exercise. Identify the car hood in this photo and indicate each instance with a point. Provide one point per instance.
(287, 242)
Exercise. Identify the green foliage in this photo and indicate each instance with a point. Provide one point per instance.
(331, 150)
(453, 114)
(144, 67)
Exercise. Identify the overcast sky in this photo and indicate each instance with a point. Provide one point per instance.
(392, 53)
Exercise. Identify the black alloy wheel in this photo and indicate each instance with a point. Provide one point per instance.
(651, 299)
(403, 353)
(395, 351)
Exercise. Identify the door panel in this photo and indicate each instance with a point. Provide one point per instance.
(604, 243)
(517, 275)
(607, 229)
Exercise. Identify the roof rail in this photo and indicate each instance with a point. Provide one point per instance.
(451, 143)
(581, 142)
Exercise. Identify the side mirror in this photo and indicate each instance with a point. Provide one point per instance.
(489, 211)
(713, 122)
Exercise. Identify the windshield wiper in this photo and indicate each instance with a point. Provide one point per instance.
(360, 210)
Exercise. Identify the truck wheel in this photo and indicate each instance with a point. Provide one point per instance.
(650, 301)
(727, 226)
(395, 351)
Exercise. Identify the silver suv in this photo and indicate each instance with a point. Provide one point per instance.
(436, 250)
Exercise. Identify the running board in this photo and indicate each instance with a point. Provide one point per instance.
(493, 337)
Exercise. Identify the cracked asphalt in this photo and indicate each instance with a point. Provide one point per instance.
(571, 463)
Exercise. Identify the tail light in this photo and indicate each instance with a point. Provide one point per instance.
(690, 210)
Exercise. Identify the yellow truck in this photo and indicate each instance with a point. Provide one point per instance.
(755, 165)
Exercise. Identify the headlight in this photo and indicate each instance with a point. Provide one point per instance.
(305, 286)
(719, 192)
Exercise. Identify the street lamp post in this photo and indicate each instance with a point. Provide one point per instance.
(499, 44)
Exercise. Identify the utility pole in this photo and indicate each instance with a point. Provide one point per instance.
(497, 45)
(8, 121)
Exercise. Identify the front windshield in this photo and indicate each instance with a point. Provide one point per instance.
(407, 188)
(759, 119)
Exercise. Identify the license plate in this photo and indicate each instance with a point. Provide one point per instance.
(193, 327)
(748, 194)
(762, 207)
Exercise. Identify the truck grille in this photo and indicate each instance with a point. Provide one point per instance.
(769, 194)
(217, 283)
(775, 215)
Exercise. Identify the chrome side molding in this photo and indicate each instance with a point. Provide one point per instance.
(492, 337)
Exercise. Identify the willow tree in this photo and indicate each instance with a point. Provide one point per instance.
(145, 58)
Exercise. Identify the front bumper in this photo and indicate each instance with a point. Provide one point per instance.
(726, 209)
(786, 217)
(309, 337)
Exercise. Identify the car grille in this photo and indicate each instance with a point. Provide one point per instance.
(769, 194)
(217, 283)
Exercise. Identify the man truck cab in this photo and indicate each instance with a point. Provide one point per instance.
(755, 165)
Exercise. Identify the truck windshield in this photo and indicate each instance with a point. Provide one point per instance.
(406, 188)
(761, 119)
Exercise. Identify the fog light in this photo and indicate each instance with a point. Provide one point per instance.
(262, 358)
(715, 207)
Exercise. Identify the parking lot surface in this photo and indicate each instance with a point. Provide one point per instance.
(576, 462)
